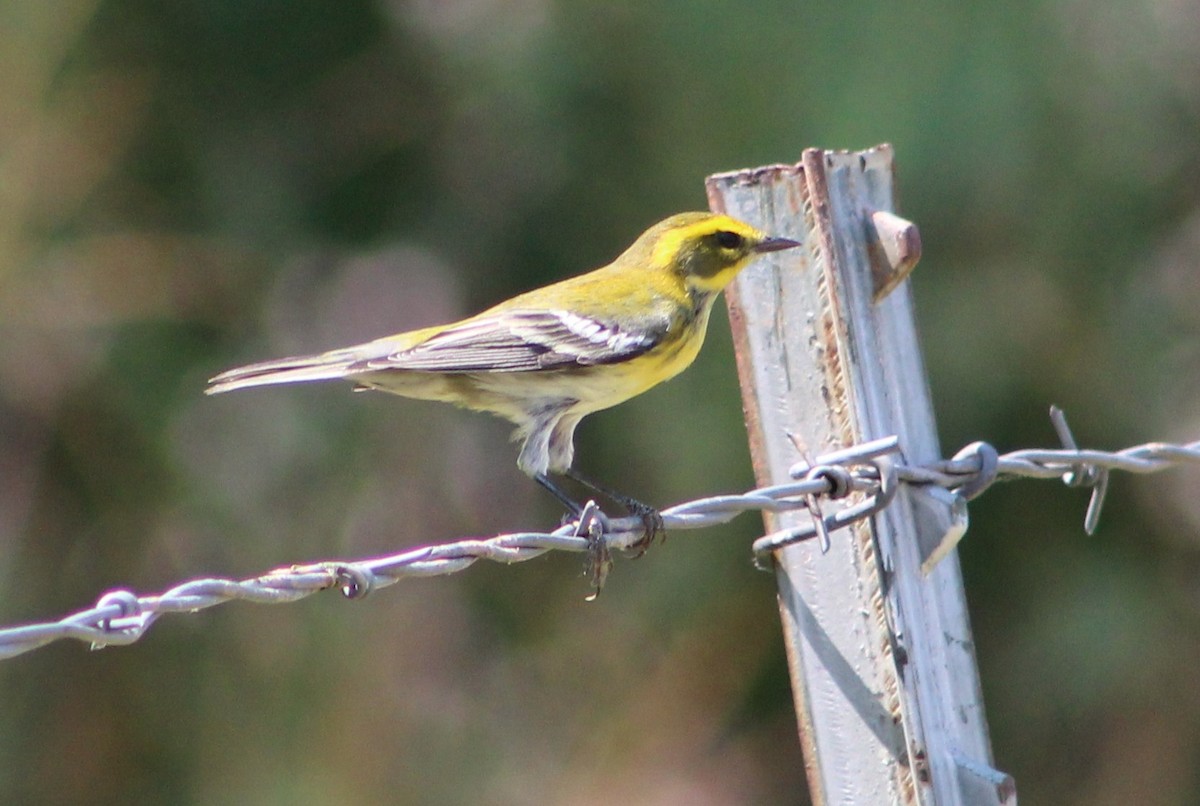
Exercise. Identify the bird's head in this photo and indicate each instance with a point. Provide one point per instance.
(707, 250)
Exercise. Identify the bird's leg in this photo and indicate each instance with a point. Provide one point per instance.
(573, 507)
(652, 522)
(599, 560)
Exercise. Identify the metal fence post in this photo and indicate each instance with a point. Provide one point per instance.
(881, 655)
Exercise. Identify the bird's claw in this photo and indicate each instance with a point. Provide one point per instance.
(652, 526)
(591, 523)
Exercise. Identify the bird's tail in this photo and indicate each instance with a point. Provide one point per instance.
(299, 369)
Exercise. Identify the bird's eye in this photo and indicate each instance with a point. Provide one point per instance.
(728, 240)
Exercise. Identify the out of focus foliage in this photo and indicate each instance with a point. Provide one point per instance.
(189, 185)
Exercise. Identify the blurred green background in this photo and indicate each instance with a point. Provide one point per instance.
(190, 185)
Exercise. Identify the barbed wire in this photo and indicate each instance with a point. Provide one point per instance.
(122, 617)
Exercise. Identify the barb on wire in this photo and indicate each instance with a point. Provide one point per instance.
(868, 471)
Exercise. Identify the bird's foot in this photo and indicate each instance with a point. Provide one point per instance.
(592, 524)
(652, 523)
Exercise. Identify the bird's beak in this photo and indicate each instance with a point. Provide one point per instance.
(774, 245)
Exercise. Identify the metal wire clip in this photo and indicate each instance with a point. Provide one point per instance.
(876, 474)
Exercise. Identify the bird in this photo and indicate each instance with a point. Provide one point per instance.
(547, 358)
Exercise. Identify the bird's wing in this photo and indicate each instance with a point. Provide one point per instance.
(520, 341)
